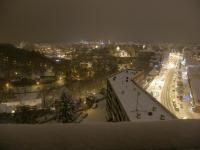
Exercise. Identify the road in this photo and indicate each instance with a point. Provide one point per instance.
(165, 94)
(182, 108)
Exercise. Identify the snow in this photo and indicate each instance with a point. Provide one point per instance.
(98, 114)
(195, 84)
(9, 106)
(194, 75)
(99, 96)
(127, 94)
(176, 134)
(5, 109)
(153, 72)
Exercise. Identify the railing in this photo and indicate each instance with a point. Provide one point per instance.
(174, 134)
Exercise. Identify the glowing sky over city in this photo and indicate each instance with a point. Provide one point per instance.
(74, 20)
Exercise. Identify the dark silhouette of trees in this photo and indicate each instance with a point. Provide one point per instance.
(25, 61)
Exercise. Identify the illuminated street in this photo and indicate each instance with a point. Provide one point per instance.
(167, 88)
(165, 94)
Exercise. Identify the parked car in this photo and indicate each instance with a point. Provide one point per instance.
(176, 108)
(95, 105)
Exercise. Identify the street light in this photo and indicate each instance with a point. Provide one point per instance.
(96, 46)
(7, 85)
(170, 65)
(118, 48)
(38, 83)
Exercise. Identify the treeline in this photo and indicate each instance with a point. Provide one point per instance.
(21, 55)
(24, 61)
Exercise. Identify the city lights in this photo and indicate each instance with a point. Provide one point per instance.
(85, 68)
(118, 48)
(167, 87)
(99, 74)
(170, 65)
(96, 46)
(7, 85)
(37, 83)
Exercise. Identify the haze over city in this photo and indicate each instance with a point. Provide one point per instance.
(75, 20)
(91, 74)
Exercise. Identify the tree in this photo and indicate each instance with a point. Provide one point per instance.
(67, 107)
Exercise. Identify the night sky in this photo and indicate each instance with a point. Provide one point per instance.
(117, 20)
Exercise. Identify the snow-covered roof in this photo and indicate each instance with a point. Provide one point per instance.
(194, 75)
(127, 92)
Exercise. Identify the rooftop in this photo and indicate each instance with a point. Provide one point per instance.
(136, 100)
(173, 134)
(194, 75)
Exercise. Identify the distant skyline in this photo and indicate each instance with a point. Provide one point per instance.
(115, 20)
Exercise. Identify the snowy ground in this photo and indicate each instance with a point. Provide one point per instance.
(27, 96)
(98, 114)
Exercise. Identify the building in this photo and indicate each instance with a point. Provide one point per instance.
(127, 101)
(194, 82)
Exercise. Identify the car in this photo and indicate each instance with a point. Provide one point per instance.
(180, 97)
(176, 108)
(95, 105)
(181, 105)
(174, 104)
